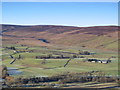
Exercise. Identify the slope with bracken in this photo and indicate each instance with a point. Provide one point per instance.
(101, 37)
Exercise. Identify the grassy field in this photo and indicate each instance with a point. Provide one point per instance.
(34, 67)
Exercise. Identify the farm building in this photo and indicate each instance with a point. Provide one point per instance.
(106, 61)
(98, 61)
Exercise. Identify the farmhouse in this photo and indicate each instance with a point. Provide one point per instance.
(98, 61)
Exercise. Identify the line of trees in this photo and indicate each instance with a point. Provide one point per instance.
(70, 78)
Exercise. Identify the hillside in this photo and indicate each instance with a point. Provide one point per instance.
(100, 37)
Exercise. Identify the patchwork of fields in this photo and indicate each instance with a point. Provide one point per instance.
(24, 50)
(32, 66)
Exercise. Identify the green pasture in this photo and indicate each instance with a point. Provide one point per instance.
(34, 67)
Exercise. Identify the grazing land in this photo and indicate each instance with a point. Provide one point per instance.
(46, 51)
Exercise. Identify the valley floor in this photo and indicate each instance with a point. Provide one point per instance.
(30, 66)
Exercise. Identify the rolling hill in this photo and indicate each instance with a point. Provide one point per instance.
(100, 37)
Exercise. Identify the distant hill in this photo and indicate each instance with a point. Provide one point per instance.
(102, 37)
